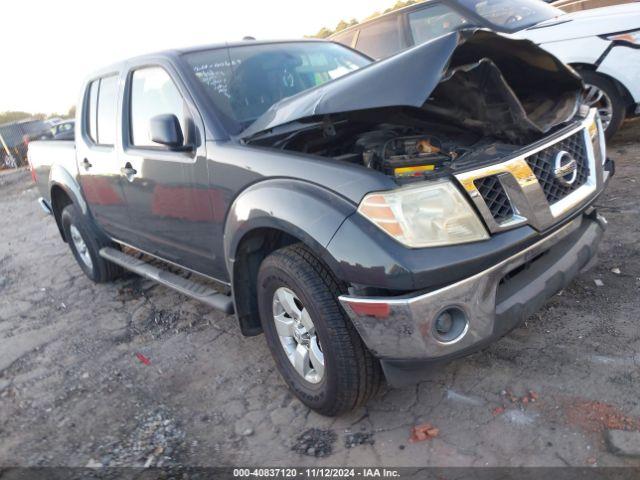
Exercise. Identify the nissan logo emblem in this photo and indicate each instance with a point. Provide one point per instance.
(565, 169)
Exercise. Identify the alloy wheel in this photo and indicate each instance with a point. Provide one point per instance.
(597, 98)
(298, 336)
(80, 246)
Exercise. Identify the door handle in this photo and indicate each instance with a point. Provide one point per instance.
(86, 164)
(128, 171)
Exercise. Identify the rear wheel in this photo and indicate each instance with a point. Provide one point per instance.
(315, 347)
(601, 93)
(85, 243)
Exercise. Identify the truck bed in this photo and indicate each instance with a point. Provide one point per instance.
(43, 155)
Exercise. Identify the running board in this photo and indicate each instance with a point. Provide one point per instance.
(188, 287)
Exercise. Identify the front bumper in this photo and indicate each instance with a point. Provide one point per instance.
(401, 330)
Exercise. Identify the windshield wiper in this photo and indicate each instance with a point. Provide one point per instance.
(280, 130)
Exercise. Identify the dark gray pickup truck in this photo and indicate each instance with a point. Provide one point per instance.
(370, 218)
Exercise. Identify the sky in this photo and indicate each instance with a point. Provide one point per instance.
(49, 47)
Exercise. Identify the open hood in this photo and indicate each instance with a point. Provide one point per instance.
(474, 78)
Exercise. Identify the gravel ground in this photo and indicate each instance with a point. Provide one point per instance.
(132, 373)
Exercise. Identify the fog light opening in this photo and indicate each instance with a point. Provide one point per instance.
(450, 325)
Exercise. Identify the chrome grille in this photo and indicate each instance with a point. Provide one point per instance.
(542, 164)
(524, 189)
(495, 197)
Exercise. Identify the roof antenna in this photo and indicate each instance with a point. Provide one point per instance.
(248, 38)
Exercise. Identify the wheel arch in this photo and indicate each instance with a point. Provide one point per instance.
(254, 247)
(626, 96)
(64, 190)
(270, 216)
(583, 66)
(60, 198)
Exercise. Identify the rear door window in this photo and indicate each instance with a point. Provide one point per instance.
(434, 21)
(107, 108)
(382, 38)
(92, 111)
(102, 105)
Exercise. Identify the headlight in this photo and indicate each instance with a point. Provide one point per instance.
(628, 37)
(426, 215)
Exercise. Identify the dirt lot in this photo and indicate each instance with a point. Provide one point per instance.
(132, 374)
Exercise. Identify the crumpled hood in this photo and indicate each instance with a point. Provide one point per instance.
(510, 69)
(586, 23)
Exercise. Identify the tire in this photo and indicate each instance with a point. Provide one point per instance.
(351, 374)
(608, 87)
(98, 269)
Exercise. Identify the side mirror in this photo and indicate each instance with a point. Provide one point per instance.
(165, 130)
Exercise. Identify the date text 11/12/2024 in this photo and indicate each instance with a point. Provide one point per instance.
(326, 472)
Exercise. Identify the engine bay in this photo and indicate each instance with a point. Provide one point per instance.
(404, 146)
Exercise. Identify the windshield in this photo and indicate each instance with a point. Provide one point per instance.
(512, 15)
(243, 82)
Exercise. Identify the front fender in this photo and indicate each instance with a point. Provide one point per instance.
(622, 63)
(585, 50)
(304, 210)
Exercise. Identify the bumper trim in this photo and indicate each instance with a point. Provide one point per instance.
(492, 303)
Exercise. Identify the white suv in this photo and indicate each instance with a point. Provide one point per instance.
(603, 44)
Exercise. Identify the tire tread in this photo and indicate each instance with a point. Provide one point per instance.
(104, 271)
(359, 371)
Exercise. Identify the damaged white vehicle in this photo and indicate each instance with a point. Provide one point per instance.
(602, 44)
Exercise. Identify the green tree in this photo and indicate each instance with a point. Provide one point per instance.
(10, 116)
(341, 26)
(323, 33)
(372, 16)
(400, 4)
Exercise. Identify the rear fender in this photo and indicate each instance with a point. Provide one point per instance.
(60, 177)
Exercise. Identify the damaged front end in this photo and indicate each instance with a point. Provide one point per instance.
(465, 98)
(511, 90)
(482, 135)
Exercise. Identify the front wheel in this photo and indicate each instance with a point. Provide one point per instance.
(600, 92)
(85, 243)
(315, 347)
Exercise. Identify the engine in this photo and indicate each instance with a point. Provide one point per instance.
(400, 150)
(397, 154)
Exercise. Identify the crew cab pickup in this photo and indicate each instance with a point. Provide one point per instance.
(370, 218)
